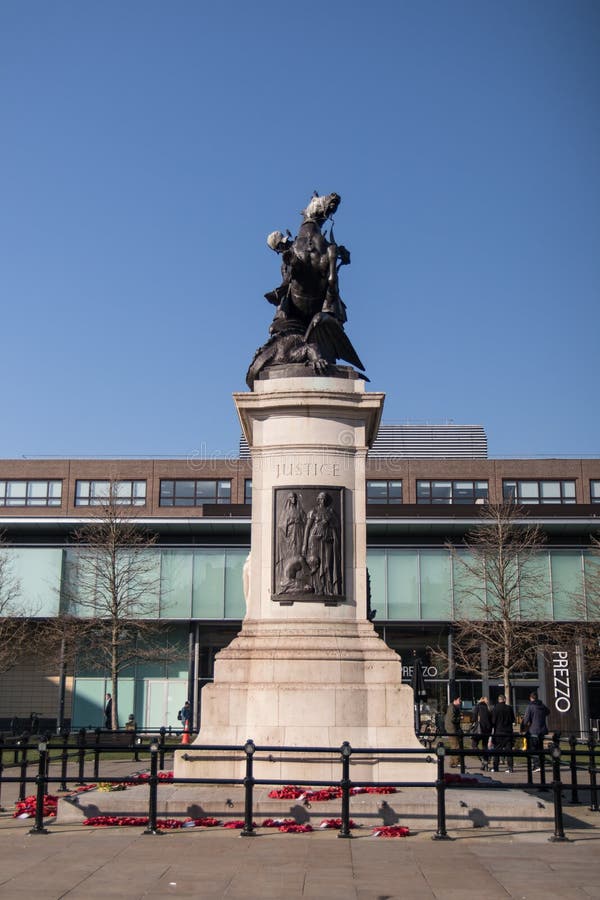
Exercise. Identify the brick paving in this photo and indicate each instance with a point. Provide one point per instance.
(76, 862)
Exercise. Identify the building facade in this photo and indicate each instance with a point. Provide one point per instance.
(425, 487)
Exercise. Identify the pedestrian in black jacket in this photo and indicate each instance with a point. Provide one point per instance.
(481, 728)
(503, 719)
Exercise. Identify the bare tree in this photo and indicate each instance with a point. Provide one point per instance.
(586, 607)
(499, 594)
(13, 618)
(113, 585)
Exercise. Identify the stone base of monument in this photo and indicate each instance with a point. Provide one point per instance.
(509, 810)
(307, 684)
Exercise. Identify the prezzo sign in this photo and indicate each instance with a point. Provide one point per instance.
(428, 672)
(561, 688)
(562, 681)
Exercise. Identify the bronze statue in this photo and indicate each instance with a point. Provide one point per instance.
(308, 326)
(322, 549)
(308, 546)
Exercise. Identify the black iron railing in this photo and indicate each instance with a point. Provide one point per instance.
(580, 758)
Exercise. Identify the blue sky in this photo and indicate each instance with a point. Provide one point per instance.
(149, 147)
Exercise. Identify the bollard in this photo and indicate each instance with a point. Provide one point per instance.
(559, 833)
(573, 763)
(38, 827)
(23, 743)
(592, 771)
(440, 786)
(344, 831)
(161, 743)
(98, 733)
(151, 828)
(248, 829)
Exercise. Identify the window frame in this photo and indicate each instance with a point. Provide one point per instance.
(193, 499)
(452, 500)
(27, 498)
(388, 500)
(93, 499)
(540, 500)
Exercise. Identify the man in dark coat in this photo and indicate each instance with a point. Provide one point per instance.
(108, 711)
(481, 728)
(453, 729)
(503, 719)
(534, 723)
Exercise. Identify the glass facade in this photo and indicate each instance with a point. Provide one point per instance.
(407, 584)
(428, 585)
(201, 583)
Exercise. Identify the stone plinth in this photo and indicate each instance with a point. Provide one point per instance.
(307, 668)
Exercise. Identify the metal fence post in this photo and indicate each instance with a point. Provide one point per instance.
(81, 742)
(248, 829)
(461, 747)
(559, 832)
(97, 754)
(151, 828)
(24, 742)
(161, 742)
(528, 759)
(38, 827)
(1, 767)
(440, 786)
(573, 762)
(64, 756)
(346, 751)
(592, 771)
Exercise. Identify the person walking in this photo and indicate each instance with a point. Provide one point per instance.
(481, 729)
(453, 730)
(185, 714)
(503, 719)
(534, 724)
(108, 711)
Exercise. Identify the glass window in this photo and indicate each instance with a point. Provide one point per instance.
(376, 567)
(209, 584)
(403, 584)
(176, 583)
(435, 580)
(97, 492)
(530, 491)
(384, 491)
(30, 493)
(567, 582)
(439, 492)
(595, 491)
(194, 493)
(247, 490)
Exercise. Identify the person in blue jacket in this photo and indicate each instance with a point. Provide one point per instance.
(534, 723)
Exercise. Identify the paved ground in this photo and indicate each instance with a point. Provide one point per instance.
(76, 862)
